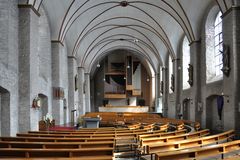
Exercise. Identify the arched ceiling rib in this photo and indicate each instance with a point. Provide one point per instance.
(126, 40)
(84, 25)
(133, 39)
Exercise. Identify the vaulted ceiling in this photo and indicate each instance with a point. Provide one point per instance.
(151, 28)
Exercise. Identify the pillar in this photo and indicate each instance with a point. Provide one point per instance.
(28, 49)
(195, 98)
(231, 89)
(73, 87)
(57, 106)
(81, 91)
(87, 92)
(177, 86)
(165, 91)
(157, 95)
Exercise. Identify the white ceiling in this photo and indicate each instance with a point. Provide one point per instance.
(153, 28)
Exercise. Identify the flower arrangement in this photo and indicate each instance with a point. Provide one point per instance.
(48, 118)
(49, 121)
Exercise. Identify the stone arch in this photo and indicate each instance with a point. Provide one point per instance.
(4, 112)
(213, 121)
(186, 108)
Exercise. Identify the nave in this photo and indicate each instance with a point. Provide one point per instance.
(126, 136)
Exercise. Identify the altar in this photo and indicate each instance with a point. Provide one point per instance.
(90, 122)
(124, 109)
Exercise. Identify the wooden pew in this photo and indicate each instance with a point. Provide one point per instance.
(56, 145)
(161, 134)
(202, 152)
(189, 143)
(65, 135)
(78, 158)
(80, 152)
(164, 139)
(52, 139)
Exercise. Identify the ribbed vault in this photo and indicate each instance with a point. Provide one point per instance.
(151, 28)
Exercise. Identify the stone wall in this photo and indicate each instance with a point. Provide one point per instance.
(9, 63)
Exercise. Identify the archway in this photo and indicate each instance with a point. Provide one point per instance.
(213, 120)
(186, 109)
(44, 105)
(4, 112)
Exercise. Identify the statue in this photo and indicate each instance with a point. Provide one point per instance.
(190, 74)
(225, 60)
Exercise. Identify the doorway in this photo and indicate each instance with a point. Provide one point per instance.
(4, 112)
(186, 109)
(213, 120)
(44, 105)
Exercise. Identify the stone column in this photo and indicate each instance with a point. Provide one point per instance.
(231, 83)
(28, 49)
(57, 107)
(157, 89)
(87, 93)
(165, 91)
(9, 52)
(177, 85)
(81, 92)
(195, 61)
(237, 2)
(73, 86)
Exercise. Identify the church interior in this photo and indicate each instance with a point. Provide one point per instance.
(120, 79)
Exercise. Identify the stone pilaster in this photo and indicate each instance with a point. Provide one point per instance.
(28, 49)
(195, 60)
(231, 90)
(87, 92)
(81, 92)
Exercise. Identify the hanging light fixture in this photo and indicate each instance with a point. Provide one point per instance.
(98, 65)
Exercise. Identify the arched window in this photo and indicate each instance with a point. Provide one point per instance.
(218, 44)
(214, 46)
(185, 62)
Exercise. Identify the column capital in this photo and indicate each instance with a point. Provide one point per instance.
(30, 7)
(176, 59)
(195, 41)
(230, 10)
(57, 41)
(71, 57)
